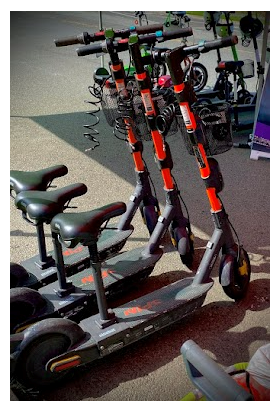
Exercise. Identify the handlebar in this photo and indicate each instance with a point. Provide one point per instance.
(83, 38)
(86, 38)
(180, 53)
(119, 46)
(218, 44)
(149, 38)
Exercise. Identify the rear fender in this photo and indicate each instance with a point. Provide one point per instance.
(64, 327)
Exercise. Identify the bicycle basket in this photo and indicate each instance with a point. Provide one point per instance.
(117, 107)
(214, 129)
(109, 101)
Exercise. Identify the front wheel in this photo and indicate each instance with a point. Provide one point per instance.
(235, 274)
(198, 76)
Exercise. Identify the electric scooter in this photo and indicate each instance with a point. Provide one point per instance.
(44, 353)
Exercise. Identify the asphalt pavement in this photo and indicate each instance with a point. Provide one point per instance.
(48, 91)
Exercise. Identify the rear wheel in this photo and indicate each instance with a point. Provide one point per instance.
(18, 275)
(25, 306)
(31, 370)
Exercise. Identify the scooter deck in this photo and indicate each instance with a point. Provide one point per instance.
(135, 320)
(119, 274)
(110, 242)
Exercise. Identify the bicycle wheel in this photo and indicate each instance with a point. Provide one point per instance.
(198, 76)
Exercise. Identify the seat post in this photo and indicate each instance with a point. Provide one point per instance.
(45, 260)
(65, 287)
(106, 316)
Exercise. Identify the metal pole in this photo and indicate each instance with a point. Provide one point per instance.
(101, 28)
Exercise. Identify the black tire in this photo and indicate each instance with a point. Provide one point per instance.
(244, 97)
(25, 305)
(18, 275)
(20, 312)
(240, 275)
(199, 76)
(150, 216)
(31, 368)
(183, 241)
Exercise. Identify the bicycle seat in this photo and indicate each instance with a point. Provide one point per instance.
(84, 227)
(229, 66)
(36, 180)
(43, 206)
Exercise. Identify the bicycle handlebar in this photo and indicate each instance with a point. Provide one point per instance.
(86, 38)
(149, 38)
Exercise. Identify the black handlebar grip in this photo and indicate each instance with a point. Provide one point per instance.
(175, 34)
(150, 28)
(119, 46)
(219, 43)
(67, 41)
(90, 49)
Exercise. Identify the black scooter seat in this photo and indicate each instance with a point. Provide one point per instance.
(230, 66)
(84, 227)
(43, 206)
(35, 180)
